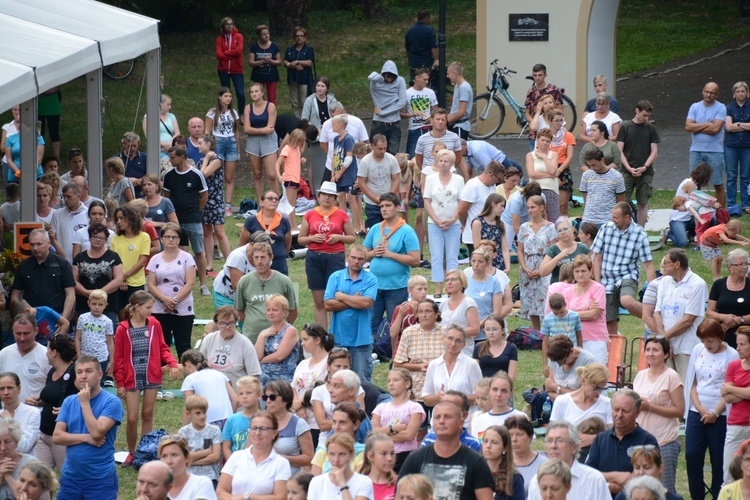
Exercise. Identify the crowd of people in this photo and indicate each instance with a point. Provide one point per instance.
(281, 410)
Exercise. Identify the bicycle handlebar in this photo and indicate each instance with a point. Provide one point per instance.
(504, 69)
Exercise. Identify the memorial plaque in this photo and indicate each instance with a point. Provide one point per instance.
(528, 27)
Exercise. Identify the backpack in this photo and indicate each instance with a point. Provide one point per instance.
(526, 338)
(148, 448)
(722, 216)
(247, 205)
(536, 398)
(382, 341)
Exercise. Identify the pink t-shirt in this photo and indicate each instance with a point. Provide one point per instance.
(740, 412)
(595, 329)
(558, 287)
(391, 414)
(658, 391)
(383, 491)
(292, 163)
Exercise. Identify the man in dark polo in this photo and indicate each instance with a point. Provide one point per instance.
(45, 279)
(611, 449)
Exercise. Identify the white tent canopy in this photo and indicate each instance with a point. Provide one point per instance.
(46, 43)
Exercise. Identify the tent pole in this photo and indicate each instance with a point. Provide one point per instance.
(29, 159)
(94, 151)
(153, 98)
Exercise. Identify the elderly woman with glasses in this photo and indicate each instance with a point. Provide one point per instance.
(273, 223)
(228, 351)
(453, 370)
(663, 403)
(257, 470)
(730, 296)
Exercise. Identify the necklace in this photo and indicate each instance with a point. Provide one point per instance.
(264, 281)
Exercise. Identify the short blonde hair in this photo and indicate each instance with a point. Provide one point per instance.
(593, 373)
(98, 294)
(419, 484)
(461, 277)
(415, 281)
(139, 205)
(196, 402)
(446, 152)
(251, 382)
(278, 300)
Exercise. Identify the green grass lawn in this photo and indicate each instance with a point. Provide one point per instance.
(649, 33)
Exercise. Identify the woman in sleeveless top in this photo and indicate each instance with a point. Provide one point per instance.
(262, 143)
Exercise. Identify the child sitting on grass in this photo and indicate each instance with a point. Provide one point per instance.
(203, 439)
(235, 432)
(715, 236)
(560, 321)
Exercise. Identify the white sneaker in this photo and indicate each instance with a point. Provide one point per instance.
(205, 291)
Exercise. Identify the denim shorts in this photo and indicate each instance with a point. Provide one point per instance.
(262, 145)
(226, 148)
(192, 232)
(716, 160)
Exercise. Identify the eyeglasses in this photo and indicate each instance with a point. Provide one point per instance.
(271, 198)
(598, 389)
(644, 447)
(339, 349)
(741, 264)
(556, 441)
(260, 428)
(170, 237)
(266, 397)
(223, 324)
(98, 238)
(174, 437)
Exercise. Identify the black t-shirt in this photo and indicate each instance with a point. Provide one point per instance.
(53, 394)
(730, 302)
(637, 141)
(285, 124)
(44, 284)
(96, 273)
(455, 477)
(490, 365)
(184, 190)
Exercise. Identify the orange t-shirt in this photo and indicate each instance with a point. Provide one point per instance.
(562, 148)
(292, 163)
(711, 236)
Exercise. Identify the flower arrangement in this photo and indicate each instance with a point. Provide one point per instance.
(9, 261)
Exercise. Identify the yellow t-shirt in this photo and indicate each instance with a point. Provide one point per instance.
(129, 250)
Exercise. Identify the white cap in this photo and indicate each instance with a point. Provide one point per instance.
(328, 187)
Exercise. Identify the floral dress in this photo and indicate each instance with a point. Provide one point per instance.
(492, 232)
(534, 291)
(213, 212)
(283, 370)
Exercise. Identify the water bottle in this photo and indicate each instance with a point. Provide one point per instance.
(546, 410)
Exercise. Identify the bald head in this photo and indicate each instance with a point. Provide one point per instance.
(710, 93)
(154, 481)
(195, 127)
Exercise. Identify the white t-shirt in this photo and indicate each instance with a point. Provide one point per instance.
(321, 487)
(254, 478)
(444, 198)
(608, 120)
(238, 260)
(675, 300)
(82, 238)
(419, 101)
(212, 385)
(224, 127)
(305, 377)
(354, 128)
(196, 488)
(32, 368)
(566, 409)
(66, 223)
(458, 315)
(234, 358)
(483, 421)
(28, 418)
(476, 193)
(378, 174)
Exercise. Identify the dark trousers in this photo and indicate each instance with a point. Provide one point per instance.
(238, 79)
(699, 438)
(391, 131)
(179, 328)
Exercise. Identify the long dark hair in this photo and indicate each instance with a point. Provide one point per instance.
(493, 199)
(217, 110)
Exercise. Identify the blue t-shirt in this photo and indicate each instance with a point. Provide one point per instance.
(701, 114)
(236, 430)
(392, 275)
(46, 322)
(480, 154)
(483, 292)
(351, 327)
(340, 148)
(84, 462)
(569, 325)
(465, 438)
(14, 143)
(516, 205)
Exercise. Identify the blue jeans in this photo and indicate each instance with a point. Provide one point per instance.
(238, 79)
(698, 439)
(442, 242)
(411, 141)
(738, 163)
(361, 361)
(678, 232)
(716, 160)
(385, 302)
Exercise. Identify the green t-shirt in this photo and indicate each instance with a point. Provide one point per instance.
(251, 297)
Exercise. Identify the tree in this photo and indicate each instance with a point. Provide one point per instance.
(285, 15)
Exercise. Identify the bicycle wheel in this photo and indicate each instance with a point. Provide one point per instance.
(487, 115)
(569, 113)
(119, 70)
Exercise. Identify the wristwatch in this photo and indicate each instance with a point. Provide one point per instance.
(390, 427)
(344, 488)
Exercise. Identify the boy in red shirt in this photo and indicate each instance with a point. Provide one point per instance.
(715, 236)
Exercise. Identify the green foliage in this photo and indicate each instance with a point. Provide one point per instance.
(180, 15)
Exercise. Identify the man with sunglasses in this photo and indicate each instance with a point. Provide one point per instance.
(87, 426)
(610, 452)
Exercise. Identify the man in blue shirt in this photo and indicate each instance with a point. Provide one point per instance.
(421, 44)
(478, 154)
(610, 452)
(392, 250)
(87, 426)
(349, 295)
(459, 399)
